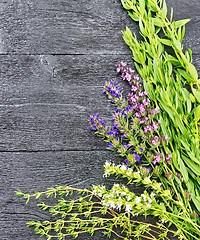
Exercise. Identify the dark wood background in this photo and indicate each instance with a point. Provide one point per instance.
(55, 56)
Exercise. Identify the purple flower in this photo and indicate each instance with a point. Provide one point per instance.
(164, 138)
(138, 115)
(134, 88)
(141, 149)
(157, 158)
(142, 109)
(168, 158)
(126, 161)
(155, 125)
(147, 129)
(110, 145)
(156, 110)
(137, 158)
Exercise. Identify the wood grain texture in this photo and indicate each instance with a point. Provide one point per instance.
(55, 57)
(77, 27)
(47, 100)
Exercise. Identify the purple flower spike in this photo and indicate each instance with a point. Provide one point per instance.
(126, 161)
(137, 158)
(110, 145)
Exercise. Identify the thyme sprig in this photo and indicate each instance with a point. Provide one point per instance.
(77, 216)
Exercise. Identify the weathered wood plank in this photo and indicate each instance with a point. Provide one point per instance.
(78, 27)
(46, 101)
(65, 27)
(45, 104)
(31, 172)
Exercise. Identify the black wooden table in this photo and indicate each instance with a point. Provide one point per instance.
(55, 56)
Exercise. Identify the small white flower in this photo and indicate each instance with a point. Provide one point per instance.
(107, 163)
(137, 200)
(128, 208)
(153, 194)
(148, 205)
(149, 200)
(123, 167)
(144, 197)
(111, 204)
(129, 172)
(128, 198)
(147, 180)
(105, 175)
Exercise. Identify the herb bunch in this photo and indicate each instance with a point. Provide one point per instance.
(155, 130)
(136, 135)
(93, 211)
(165, 77)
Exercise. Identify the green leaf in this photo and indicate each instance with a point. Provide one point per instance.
(192, 98)
(127, 4)
(183, 169)
(142, 6)
(133, 16)
(164, 10)
(197, 112)
(173, 60)
(190, 52)
(193, 71)
(177, 45)
(158, 22)
(171, 14)
(179, 34)
(183, 33)
(143, 31)
(194, 167)
(181, 23)
(165, 41)
(196, 94)
(187, 76)
(196, 201)
(193, 157)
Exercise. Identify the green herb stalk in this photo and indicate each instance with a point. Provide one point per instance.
(164, 76)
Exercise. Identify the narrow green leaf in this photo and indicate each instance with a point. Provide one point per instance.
(177, 45)
(187, 76)
(171, 15)
(193, 71)
(183, 33)
(179, 34)
(181, 23)
(173, 60)
(194, 167)
(190, 52)
(197, 112)
(196, 94)
(164, 10)
(142, 27)
(133, 16)
(183, 169)
(196, 201)
(192, 98)
(165, 41)
(127, 4)
(158, 22)
(193, 157)
(142, 6)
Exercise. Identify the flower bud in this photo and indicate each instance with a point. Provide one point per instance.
(168, 175)
(178, 175)
(187, 195)
(195, 214)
